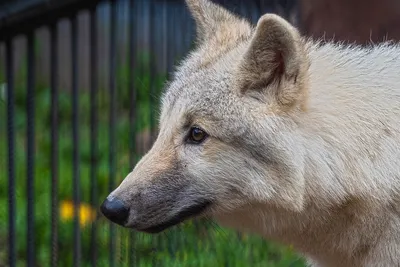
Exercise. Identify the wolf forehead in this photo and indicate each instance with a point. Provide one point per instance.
(200, 92)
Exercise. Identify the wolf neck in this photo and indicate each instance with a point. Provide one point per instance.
(351, 134)
(351, 129)
(331, 237)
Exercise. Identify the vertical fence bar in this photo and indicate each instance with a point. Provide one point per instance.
(188, 31)
(11, 150)
(112, 80)
(170, 38)
(54, 144)
(260, 8)
(75, 139)
(162, 56)
(93, 129)
(30, 112)
(132, 112)
(152, 57)
(153, 71)
(179, 36)
(132, 89)
(164, 36)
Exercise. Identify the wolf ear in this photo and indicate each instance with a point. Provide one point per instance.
(275, 63)
(213, 20)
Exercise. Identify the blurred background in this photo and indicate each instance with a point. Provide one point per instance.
(79, 91)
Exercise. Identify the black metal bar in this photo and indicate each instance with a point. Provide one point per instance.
(188, 31)
(165, 240)
(30, 112)
(260, 8)
(46, 12)
(152, 102)
(132, 112)
(75, 140)
(112, 80)
(171, 39)
(179, 35)
(93, 129)
(153, 71)
(54, 144)
(132, 89)
(167, 40)
(164, 36)
(11, 156)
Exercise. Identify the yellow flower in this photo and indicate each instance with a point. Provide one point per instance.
(86, 213)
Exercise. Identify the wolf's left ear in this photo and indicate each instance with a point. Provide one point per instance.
(214, 21)
(275, 64)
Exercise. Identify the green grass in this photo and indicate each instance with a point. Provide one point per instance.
(192, 244)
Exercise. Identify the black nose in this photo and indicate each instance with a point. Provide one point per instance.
(115, 210)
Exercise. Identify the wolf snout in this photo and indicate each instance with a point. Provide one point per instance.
(115, 210)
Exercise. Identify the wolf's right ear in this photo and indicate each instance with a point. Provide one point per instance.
(214, 20)
(275, 65)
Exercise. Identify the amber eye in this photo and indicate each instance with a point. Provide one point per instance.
(197, 135)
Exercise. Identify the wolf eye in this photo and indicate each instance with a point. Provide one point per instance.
(197, 135)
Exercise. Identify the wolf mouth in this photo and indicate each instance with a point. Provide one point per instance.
(183, 215)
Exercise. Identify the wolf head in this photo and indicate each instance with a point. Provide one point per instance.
(228, 134)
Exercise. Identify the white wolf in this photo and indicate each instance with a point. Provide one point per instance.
(268, 132)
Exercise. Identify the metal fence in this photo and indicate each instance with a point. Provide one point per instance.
(65, 145)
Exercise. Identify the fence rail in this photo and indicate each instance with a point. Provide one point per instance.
(21, 17)
(66, 147)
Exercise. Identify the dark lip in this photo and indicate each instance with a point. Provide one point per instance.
(183, 215)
